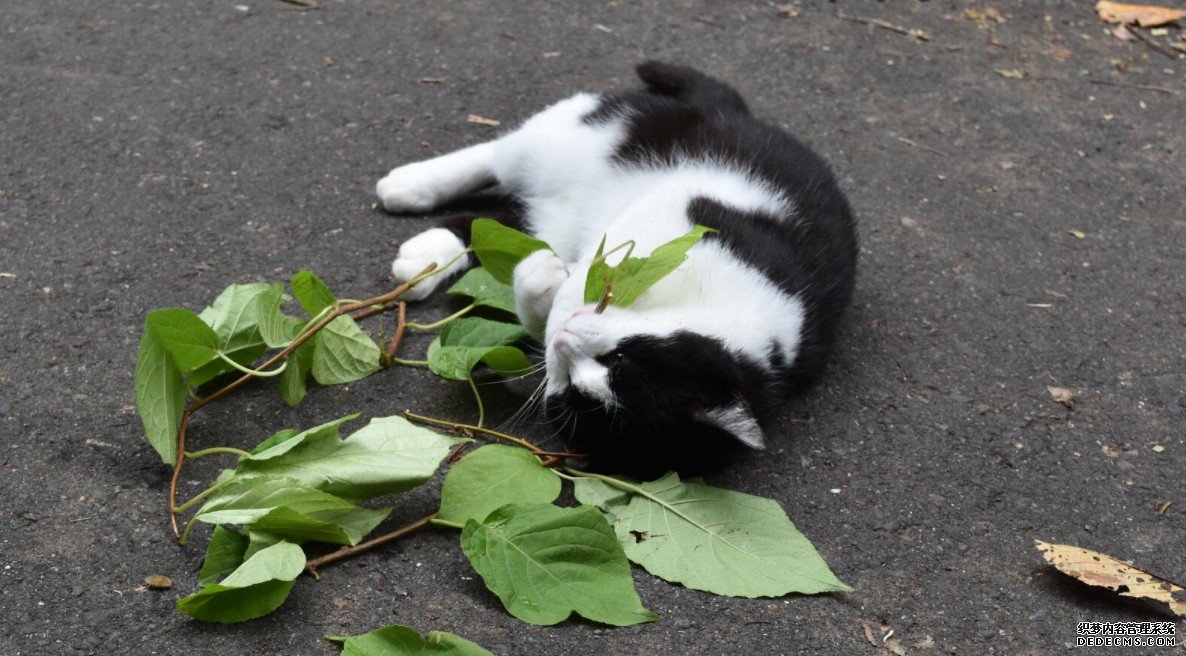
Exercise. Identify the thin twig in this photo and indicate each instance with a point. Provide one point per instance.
(307, 4)
(345, 552)
(877, 22)
(400, 326)
(1149, 41)
(1143, 87)
(476, 429)
(389, 297)
(910, 142)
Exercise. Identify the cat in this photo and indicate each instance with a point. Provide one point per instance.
(708, 356)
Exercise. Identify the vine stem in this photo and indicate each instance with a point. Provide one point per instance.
(478, 398)
(368, 304)
(476, 429)
(345, 552)
(217, 449)
(202, 495)
(437, 324)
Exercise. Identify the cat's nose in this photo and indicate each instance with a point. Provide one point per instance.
(566, 342)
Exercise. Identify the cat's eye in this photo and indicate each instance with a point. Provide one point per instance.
(613, 359)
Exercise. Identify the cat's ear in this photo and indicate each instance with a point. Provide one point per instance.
(737, 420)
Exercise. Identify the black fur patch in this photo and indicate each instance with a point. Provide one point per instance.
(662, 384)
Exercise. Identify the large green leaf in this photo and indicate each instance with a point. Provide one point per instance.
(388, 455)
(234, 315)
(464, 343)
(399, 640)
(255, 589)
(343, 353)
(283, 507)
(494, 476)
(479, 285)
(500, 248)
(311, 293)
(276, 328)
(160, 395)
(545, 562)
(294, 376)
(187, 338)
(224, 554)
(635, 275)
(707, 538)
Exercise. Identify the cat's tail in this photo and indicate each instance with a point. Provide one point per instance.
(691, 86)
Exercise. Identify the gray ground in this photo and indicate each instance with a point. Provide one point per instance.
(155, 152)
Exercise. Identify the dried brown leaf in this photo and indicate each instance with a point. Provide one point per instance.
(1142, 15)
(1013, 73)
(1094, 568)
(482, 120)
(1063, 395)
(158, 582)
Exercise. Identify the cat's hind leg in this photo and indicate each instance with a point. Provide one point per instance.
(422, 186)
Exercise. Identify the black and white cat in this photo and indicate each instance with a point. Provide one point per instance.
(708, 355)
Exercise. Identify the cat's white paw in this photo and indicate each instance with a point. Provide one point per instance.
(412, 188)
(437, 245)
(537, 278)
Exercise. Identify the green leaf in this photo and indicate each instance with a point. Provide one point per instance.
(292, 379)
(479, 285)
(343, 353)
(707, 538)
(245, 356)
(285, 508)
(500, 248)
(494, 476)
(255, 589)
(286, 440)
(224, 554)
(276, 328)
(346, 526)
(476, 331)
(546, 562)
(456, 362)
(160, 395)
(311, 293)
(399, 640)
(234, 315)
(464, 343)
(635, 275)
(390, 454)
(258, 541)
(187, 338)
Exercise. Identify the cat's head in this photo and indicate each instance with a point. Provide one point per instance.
(636, 392)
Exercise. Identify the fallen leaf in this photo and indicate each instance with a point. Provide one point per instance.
(789, 10)
(1143, 15)
(158, 582)
(1077, 234)
(1094, 568)
(1013, 73)
(482, 120)
(1063, 395)
(886, 641)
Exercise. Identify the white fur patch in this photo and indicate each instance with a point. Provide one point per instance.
(536, 280)
(437, 245)
(738, 422)
(421, 186)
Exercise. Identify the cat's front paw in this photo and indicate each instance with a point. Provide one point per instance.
(537, 278)
(410, 188)
(436, 246)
